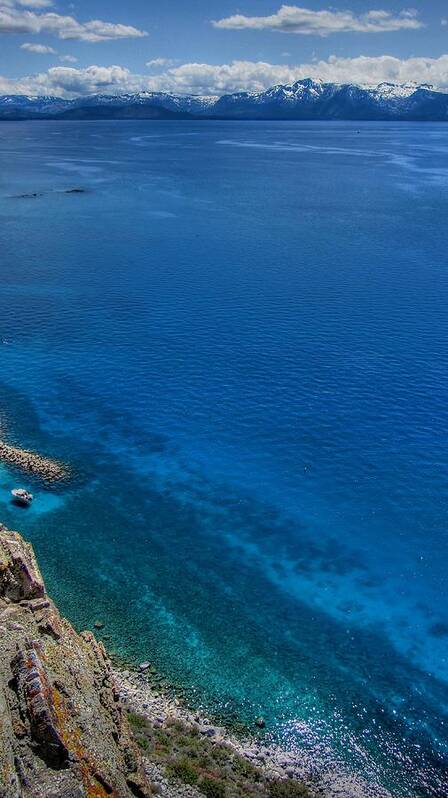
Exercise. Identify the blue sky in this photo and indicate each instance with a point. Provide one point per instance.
(63, 48)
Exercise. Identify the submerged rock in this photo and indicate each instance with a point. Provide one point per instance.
(31, 195)
(35, 194)
(63, 731)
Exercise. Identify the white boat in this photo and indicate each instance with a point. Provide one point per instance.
(22, 496)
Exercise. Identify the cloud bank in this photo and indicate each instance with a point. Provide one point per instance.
(294, 19)
(16, 18)
(213, 79)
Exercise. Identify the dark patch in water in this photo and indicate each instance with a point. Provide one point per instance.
(37, 194)
(31, 195)
(439, 629)
(330, 557)
(369, 582)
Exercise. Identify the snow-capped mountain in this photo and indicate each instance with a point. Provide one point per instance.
(304, 99)
(32, 104)
(193, 104)
(313, 99)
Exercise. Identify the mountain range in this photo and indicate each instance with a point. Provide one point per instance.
(305, 99)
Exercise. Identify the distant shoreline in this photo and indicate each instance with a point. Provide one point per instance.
(360, 120)
(305, 100)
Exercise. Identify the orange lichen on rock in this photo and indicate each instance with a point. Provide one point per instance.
(94, 783)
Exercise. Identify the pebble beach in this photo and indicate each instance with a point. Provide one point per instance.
(140, 696)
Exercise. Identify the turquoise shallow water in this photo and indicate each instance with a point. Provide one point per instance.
(238, 337)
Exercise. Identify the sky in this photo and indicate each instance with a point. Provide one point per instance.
(213, 47)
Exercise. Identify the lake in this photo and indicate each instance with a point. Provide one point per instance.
(236, 334)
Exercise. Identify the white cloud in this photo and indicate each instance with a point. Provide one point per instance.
(212, 79)
(35, 3)
(40, 49)
(259, 75)
(371, 70)
(294, 19)
(28, 3)
(19, 20)
(68, 59)
(222, 78)
(93, 79)
(160, 62)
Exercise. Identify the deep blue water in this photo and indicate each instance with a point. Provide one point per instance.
(238, 338)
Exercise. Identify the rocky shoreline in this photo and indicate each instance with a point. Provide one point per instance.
(143, 695)
(162, 712)
(137, 692)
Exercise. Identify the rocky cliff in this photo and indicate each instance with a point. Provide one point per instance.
(63, 732)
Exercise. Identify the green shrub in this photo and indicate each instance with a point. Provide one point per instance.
(143, 743)
(246, 769)
(136, 721)
(162, 738)
(184, 770)
(212, 788)
(176, 725)
(288, 789)
(182, 741)
(221, 754)
(205, 762)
